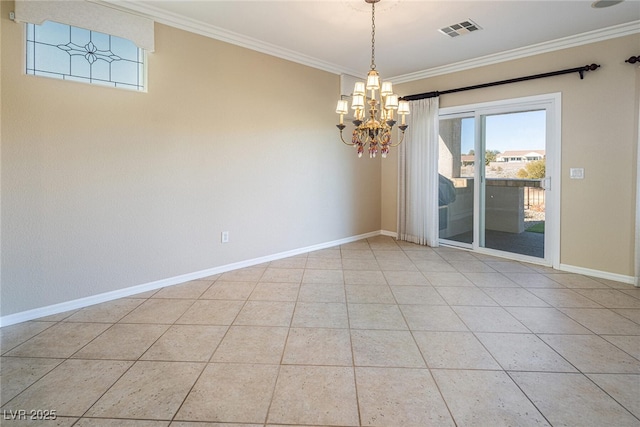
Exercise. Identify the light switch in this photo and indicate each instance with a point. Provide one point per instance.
(576, 173)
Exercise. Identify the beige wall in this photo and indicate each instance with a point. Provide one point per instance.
(104, 189)
(599, 133)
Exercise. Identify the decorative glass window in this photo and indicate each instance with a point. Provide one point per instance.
(71, 53)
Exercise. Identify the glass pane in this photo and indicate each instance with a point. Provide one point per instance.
(514, 207)
(456, 169)
(77, 54)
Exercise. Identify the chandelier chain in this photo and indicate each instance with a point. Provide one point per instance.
(373, 36)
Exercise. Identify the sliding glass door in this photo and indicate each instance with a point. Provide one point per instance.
(496, 164)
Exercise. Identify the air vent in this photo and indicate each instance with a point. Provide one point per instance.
(464, 27)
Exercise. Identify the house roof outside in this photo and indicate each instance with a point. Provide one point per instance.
(523, 153)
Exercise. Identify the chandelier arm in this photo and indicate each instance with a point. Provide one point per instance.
(350, 144)
(399, 142)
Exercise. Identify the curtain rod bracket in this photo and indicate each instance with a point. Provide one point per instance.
(591, 67)
(633, 59)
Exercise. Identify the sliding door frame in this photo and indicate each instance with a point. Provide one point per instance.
(552, 103)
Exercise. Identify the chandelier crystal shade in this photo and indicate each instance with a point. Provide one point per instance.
(373, 112)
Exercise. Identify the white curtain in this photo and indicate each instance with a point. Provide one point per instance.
(637, 281)
(418, 175)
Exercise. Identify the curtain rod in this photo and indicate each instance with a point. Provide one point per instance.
(580, 70)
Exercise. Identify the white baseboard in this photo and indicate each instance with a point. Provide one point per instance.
(79, 303)
(599, 274)
(388, 233)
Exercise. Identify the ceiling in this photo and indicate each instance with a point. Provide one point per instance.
(335, 35)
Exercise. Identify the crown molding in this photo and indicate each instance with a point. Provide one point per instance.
(207, 30)
(536, 49)
(211, 31)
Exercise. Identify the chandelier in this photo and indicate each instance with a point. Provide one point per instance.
(374, 119)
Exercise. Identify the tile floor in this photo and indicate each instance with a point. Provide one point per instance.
(375, 332)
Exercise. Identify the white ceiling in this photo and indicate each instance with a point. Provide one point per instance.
(335, 35)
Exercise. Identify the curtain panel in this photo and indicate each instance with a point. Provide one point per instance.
(418, 175)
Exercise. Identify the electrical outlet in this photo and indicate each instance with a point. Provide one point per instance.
(224, 237)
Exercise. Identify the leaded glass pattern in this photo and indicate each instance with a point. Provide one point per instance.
(72, 53)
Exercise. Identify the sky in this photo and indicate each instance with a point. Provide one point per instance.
(514, 131)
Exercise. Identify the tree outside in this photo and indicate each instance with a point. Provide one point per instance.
(533, 170)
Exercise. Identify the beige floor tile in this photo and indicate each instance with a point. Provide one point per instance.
(454, 350)
(364, 277)
(603, 321)
(325, 253)
(357, 254)
(359, 245)
(385, 349)
(376, 316)
(229, 290)
(316, 395)
(228, 392)
(532, 280)
(396, 264)
(58, 317)
(629, 313)
(323, 276)
(610, 298)
(457, 295)
(515, 297)
(188, 290)
(489, 319)
(164, 311)
(18, 420)
(491, 280)
(625, 389)
(451, 254)
(122, 342)
(148, 390)
(186, 343)
(14, 335)
(249, 274)
(471, 266)
(504, 266)
(434, 266)
(320, 315)
(18, 373)
(541, 320)
(282, 275)
(628, 343)
(71, 388)
(447, 279)
(251, 344)
(318, 346)
(369, 294)
(523, 352)
(486, 398)
(294, 262)
(211, 312)
(201, 424)
(320, 292)
(324, 263)
(360, 264)
(406, 278)
(265, 313)
(571, 280)
(432, 318)
(268, 291)
(592, 354)
(425, 295)
(400, 397)
(586, 405)
(114, 422)
(60, 340)
(106, 312)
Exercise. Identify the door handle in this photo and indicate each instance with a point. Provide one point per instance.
(545, 183)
